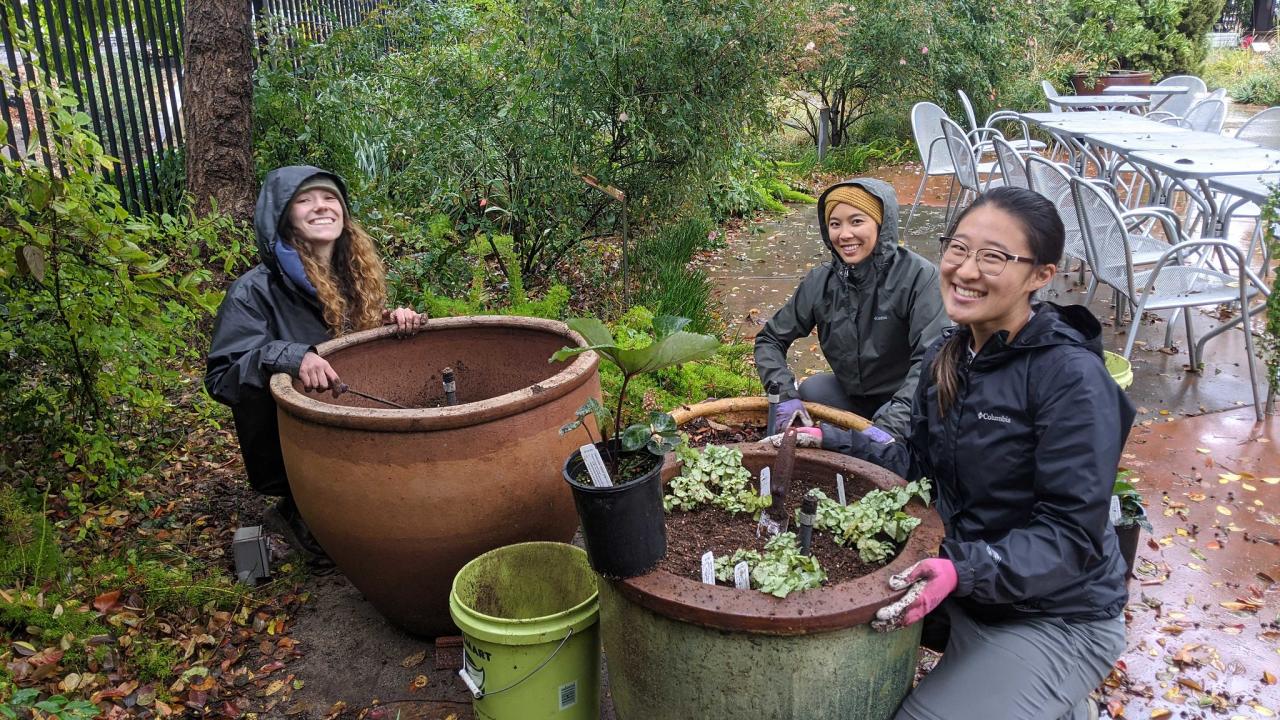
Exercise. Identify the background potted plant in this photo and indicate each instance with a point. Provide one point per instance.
(1125, 42)
(622, 521)
(1132, 520)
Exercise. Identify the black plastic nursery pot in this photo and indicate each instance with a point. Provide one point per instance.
(624, 527)
(1129, 535)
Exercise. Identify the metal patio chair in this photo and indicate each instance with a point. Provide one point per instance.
(1012, 163)
(1178, 105)
(935, 159)
(1263, 128)
(1117, 239)
(968, 173)
(1053, 180)
(1206, 116)
(1005, 118)
(1177, 281)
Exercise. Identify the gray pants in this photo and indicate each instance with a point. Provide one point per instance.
(1037, 669)
(824, 388)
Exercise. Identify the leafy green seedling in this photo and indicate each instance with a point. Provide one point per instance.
(671, 345)
(779, 571)
(715, 476)
(1132, 511)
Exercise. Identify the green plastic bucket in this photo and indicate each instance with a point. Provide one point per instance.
(530, 634)
(1121, 370)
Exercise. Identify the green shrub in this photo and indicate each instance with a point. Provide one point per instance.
(491, 112)
(172, 586)
(98, 309)
(29, 550)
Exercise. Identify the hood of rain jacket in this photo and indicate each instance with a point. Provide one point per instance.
(1022, 467)
(874, 319)
(267, 321)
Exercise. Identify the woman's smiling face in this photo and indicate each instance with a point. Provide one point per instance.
(852, 232)
(988, 303)
(315, 217)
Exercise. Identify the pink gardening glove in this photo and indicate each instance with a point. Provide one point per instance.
(930, 582)
(806, 437)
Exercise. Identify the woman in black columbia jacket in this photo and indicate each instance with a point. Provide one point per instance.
(319, 277)
(1020, 427)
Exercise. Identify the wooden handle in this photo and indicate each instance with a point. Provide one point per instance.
(711, 408)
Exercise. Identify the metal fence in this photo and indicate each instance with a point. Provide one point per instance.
(123, 61)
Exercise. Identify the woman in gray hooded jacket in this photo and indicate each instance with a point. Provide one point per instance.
(319, 277)
(876, 307)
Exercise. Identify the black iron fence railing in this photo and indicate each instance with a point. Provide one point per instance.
(123, 60)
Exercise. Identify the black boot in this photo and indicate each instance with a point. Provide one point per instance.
(285, 520)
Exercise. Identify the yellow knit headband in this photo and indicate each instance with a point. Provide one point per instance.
(858, 198)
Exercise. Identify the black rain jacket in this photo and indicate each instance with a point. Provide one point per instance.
(875, 319)
(1022, 467)
(265, 325)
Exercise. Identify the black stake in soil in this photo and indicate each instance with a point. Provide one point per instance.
(450, 388)
(808, 509)
(771, 422)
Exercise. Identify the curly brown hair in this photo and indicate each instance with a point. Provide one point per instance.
(353, 289)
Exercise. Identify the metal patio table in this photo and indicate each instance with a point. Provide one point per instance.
(1121, 144)
(1164, 91)
(1110, 102)
(1070, 128)
(1185, 168)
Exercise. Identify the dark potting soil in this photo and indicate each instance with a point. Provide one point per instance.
(690, 534)
(631, 467)
(710, 432)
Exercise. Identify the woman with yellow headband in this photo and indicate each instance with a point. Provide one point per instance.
(876, 306)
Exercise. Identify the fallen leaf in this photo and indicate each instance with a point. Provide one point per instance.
(1224, 510)
(1203, 451)
(105, 602)
(1268, 678)
(1271, 480)
(1160, 713)
(275, 687)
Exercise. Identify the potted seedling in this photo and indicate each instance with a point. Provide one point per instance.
(616, 478)
(1129, 516)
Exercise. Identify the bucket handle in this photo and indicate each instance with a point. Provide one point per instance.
(479, 694)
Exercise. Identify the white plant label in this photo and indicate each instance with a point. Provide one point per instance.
(742, 576)
(840, 488)
(1115, 510)
(709, 568)
(766, 482)
(595, 466)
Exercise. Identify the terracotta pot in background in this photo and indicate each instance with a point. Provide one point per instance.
(1080, 81)
(402, 499)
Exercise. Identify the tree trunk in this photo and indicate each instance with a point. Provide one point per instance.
(218, 109)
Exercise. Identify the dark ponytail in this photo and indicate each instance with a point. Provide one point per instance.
(1045, 233)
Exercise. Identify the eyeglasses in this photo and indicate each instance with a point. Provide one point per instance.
(991, 262)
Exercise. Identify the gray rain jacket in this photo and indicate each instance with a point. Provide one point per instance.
(265, 325)
(1022, 467)
(875, 319)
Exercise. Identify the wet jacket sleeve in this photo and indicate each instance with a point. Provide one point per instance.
(908, 458)
(1081, 422)
(245, 351)
(793, 321)
(926, 318)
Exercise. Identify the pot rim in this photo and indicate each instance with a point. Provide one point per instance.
(836, 607)
(574, 375)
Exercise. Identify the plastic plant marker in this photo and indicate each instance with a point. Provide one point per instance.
(595, 466)
(742, 576)
(766, 482)
(840, 488)
(1115, 510)
(709, 568)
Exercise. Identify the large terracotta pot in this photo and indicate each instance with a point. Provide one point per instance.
(402, 499)
(680, 649)
(1080, 81)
